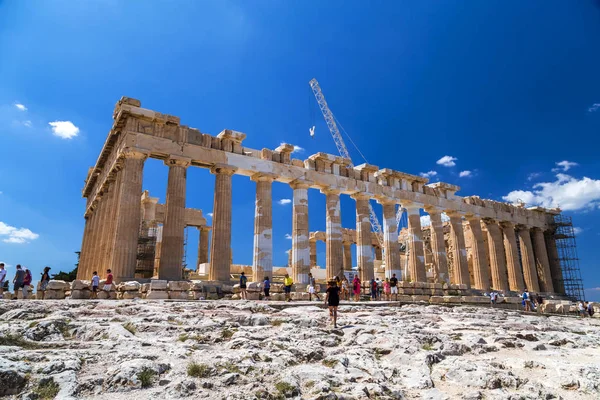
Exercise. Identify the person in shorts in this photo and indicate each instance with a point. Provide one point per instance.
(527, 299)
(243, 286)
(267, 288)
(386, 289)
(109, 281)
(18, 280)
(2, 279)
(287, 287)
(394, 287)
(26, 283)
(44, 281)
(95, 284)
(332, 299)
(312, 288)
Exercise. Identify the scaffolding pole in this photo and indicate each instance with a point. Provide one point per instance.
(564, 235)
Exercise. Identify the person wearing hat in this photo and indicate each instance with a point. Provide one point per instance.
(44, 281)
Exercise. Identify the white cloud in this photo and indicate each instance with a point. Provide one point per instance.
(566, 192)
(288, 236)
(533, 175)
(447, 161)
(6, 265)
(577, 230)
(594, 107)
(465, 174)
(20, 107)
(287, 252)
(564, 166)
(428, 174)
(16, 235)
(64, 129)
(284, 201)
(209, 215)
(27, 123)
(297, 149)
(426, 220)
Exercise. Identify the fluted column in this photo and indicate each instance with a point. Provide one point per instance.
(481, 267)
(515, 274)
(300, 232)
(84, 251)
(220, 250)
(101, 211)
(347, 256)
(390, 241)
(111, 235)
(334, 261)
(555, 267)
(438, 246)
(529, 270)
(262, 259)
(497, 255)
(364, 250)
(105, 241)
(171, 257)
(416, 254)
(128, 216)
(541, 261)
(460, 273)
(313, 253)
(204, 236)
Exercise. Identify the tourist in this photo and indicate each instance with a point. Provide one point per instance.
(394, 286)
(373, 289)
(581, 309)
(267, 288)
(95, 284)
(312, 287)
(2, 280)
(379, 289)
(26, 283)
(109, 281)
(493, 298)
(345, 288)
(590, 309)
(287, 287)
(243, 282)
(526, 300)
(44, 281)
(356, 287)
(386, 289)
(332, 299)
(18, 280)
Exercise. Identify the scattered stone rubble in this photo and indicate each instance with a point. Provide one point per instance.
(249, 350)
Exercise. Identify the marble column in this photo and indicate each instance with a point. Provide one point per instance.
(497, 255)
(555, 267)
(128, 216)
(220, 250)
(347, 256)
(481, 268)
(300, 232)
(541, 261)
(515, 274)
(529, 270)
(105, 243)
(438, 246)
(416, 253)
(460, 273)
(262, 258)
(334, 261)
(171, 258)
(111, 235)
(84, 251)
(313, 253)
(390, 241)
(364, 250)
(203, 239)
(377, 249)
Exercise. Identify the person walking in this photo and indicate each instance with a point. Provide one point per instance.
(312, 287)
(356, 287)
(527, 299)
(345, 288)
(267, 288)
(243, 286)
(373, 287)
(379, 289)
(44, 281)
(2, 280)
(493, 298)
(109, 281)
(18, 280)
(590, 309)
(95, 284)
(287, 287)
(332, 299)
(581, 309)
(386, 290)
(26, 283)
(394, 286)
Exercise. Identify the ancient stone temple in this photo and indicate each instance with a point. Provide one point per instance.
(510, 247)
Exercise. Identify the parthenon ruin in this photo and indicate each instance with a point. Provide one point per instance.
(511, 247)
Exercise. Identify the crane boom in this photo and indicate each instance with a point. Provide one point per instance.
(342, 149)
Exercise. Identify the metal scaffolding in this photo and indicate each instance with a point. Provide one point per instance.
(146, 250)
(564, 235)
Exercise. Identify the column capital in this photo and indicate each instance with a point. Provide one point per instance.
(177, 161)
(263, 177)
(360, 196)
(386, 200)
(521, 227)
(507, 224)
(300, 183)
(472, 217)
(411, 208)
(453, 213)
(429, 209)
(223, 169)
(133, 153)
(327, 191)
(204, 228)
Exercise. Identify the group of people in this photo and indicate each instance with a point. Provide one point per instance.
(585, 309)
(21, 281)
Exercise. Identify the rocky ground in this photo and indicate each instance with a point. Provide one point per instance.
(243, 350)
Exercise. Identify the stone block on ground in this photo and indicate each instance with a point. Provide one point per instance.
(513, 300)
(177, 295)
(158, 284)
(132, 286)
(254, 286)
(54, 294)
(404, 298)
(103, 295)
(436, 299)
(157, 295)
(80, 285)
(476, 299)
(30, 294)
(299, 296)
(236, 288)
(420, 297)
(276, 288)
(83, 294)
(58, 285)
(253, 296)
(462, 286)
(452, 299)
(177, 286)
(145, 287)
(228, 289)
(131, 295)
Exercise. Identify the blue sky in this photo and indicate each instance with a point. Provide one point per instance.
(505, 89)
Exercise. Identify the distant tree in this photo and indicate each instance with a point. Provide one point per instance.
(68, 276)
